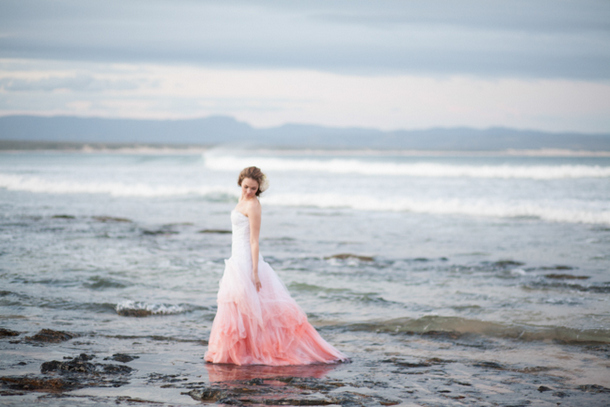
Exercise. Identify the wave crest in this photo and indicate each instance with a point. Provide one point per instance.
(485, 208)
(40, 185)
(422, 169)
(142, 309)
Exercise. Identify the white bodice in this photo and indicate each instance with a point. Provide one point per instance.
(240, 247)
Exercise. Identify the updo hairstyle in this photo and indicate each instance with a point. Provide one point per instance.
(257, 175)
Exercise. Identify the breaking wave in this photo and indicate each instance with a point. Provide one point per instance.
(41, 185)
(445, 207)
(421, 169)
(142, 309)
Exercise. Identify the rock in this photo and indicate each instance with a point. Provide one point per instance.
(345, 256)
(40, 384)
(111, 219)
(7, 332)
(220, 231)
(295, 391)
(594, 388)
(122, 357)
(50, 336)
(507, 263)
(206, 394)
(130, 400)
(63, 217)
(558, 267)
(159, 232)
(81, 365)
(72, 366)
(566, 277)
(544, 388)
(115, 369)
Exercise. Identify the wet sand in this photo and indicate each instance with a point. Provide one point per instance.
(432, 369)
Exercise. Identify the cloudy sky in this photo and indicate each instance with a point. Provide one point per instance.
(384, 64)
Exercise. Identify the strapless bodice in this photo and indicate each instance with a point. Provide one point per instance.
(240, 227)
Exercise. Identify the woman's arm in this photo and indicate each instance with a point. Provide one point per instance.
(254, 216)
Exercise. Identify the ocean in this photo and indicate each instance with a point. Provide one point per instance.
(447, 278)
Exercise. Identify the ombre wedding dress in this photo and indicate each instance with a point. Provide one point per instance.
(265, 327)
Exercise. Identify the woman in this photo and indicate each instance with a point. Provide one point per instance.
(257, 321)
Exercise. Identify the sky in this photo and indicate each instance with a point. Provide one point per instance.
(385, 64)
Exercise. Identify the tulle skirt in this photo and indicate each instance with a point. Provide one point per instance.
(265, 327)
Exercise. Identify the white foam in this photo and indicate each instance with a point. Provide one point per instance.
(154, 309)
(473, 207)
(218, 162)
(41, 185)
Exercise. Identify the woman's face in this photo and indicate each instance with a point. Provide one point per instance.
(249, 188)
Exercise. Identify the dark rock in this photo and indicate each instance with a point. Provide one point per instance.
(111, 219)
(122, 357)
(206, 394)
(507, 263)
(115, 369)
(558, 267)
(159, 232)
(544, 388)
(81, 365)
(84, 357)
(594, 388)
(7, 332)
(40, 384)
(63, 217)
(438, 361)
(230, 401)
(566, 277)
(219, 231)
(490, 365)
(50, 336)
(131, 400)
(12, 393)
(345, 256)
(75, 366)
(306, 401)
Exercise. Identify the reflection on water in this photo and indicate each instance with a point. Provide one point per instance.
(223, 373)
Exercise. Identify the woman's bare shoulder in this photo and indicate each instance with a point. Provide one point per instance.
(253, 207)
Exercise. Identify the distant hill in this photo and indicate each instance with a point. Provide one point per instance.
(219, 130)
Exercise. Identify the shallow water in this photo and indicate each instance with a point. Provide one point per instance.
(491, 271)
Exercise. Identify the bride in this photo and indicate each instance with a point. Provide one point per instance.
(257, 321)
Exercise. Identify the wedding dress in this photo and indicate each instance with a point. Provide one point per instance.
(265, 327)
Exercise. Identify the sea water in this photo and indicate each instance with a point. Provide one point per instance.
(377, 247)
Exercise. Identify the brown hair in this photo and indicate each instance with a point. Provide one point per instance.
(257, 175)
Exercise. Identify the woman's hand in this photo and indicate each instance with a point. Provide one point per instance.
(256, 281)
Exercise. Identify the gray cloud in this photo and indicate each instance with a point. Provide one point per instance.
(536, 39)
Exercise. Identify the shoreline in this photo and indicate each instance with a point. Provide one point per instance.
(421, 369)
(15, 146)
